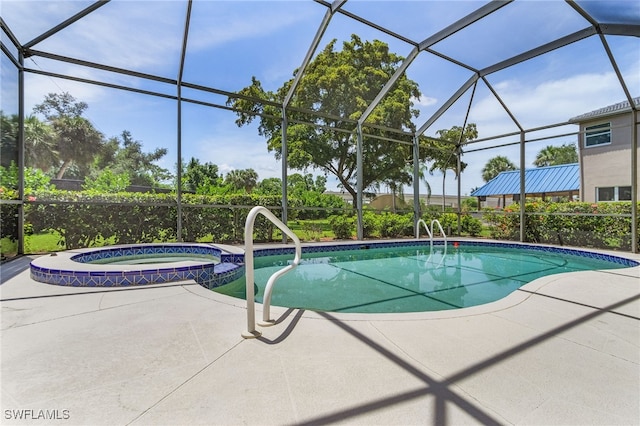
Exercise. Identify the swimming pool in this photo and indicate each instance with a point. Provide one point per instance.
(384, 278)
(139, 264)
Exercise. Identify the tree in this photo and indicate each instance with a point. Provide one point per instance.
(338, 85)
(40, 144)
(8, 139)
(298, 184)
(556, 155)
(270, 186)
(495, 166)
(107, 182)
(200, 178)
(245, 179)
(123, 154)
(443, 151)
(34, 179)
(76, 140)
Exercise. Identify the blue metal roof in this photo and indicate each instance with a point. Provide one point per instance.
(541, 180)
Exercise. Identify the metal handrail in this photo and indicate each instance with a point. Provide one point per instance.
(425, 227)
(430, 230)
(441, 230)
(249, 271)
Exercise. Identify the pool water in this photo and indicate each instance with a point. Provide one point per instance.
(407, 279)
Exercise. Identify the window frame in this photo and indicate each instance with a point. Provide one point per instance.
(595, 131)
(616, 193)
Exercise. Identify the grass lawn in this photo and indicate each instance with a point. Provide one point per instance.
(311, 230)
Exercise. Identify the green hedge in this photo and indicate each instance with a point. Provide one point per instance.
(590, 224)
(85, 220)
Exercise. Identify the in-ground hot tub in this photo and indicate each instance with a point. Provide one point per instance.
(140, 264)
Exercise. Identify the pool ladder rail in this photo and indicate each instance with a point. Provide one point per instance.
(251, 331)
(430, 231)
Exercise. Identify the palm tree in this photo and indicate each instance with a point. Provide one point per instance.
(40, 144)
(495, 166)
(8, 139)
(77, 142)
(422, 175)
(446, 159)
(242, 179)
(443, 164)
(556, 155)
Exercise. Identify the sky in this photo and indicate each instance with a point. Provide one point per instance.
(231, 41)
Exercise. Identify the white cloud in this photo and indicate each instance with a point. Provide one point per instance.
(226, 23)
(550, 102)
(37, 87)
(424, 101)
(132, 35)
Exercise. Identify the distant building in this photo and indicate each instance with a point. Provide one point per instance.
(385, 199)
(604, 146)
(543, 182)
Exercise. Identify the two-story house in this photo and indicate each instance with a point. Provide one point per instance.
(604, 146)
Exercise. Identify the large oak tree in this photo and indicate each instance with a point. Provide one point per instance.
(339, 85)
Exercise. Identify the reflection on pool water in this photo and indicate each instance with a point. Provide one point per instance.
(414, 278)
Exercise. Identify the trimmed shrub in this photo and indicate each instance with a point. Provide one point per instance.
(576, 224)
(394, 225)
(343, 226)
(470, 225)
(370, 224)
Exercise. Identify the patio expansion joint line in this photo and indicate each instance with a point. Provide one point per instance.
(106, 290)
(193, 376)
(579, 304)
(93, 311)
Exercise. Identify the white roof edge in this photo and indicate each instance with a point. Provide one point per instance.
(615, 109)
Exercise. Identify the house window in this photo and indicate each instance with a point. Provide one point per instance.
(606, 194)
(624, 193)
(613, 193)
(599, 134)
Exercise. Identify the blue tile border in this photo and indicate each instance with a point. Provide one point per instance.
(422, 243)
(206, 273)
(231, 266)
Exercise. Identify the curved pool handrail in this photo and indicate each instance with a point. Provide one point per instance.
(249, 271)
(437, 222)
(425, 227)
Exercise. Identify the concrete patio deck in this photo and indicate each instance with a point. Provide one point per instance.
(564, 349)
